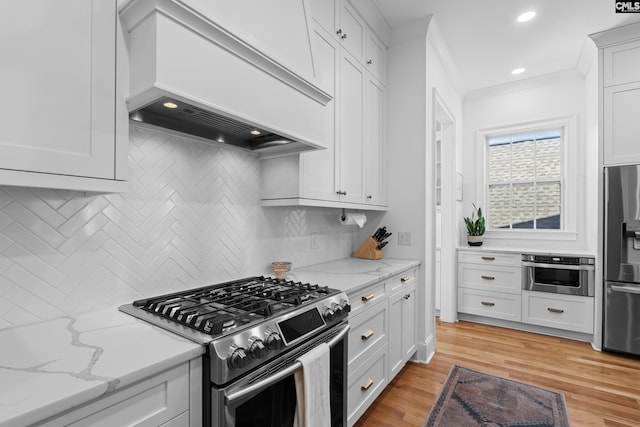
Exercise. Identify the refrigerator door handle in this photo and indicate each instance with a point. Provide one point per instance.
(626, 289)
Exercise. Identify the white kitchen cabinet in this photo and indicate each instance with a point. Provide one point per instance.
(619, 60)
(171, 398)
(567, 312)
(383, 337)
(402, 326)
(490, 284)
(64, 119)
(349, 173)
(343, 22)
(376, 57)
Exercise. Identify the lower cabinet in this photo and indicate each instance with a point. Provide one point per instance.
(383, 337)
(568, 312)
(169, 399)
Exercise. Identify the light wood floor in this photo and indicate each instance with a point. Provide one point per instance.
(601, 389)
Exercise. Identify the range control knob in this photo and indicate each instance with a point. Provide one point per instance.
(328, 314)
(274, 341)
(237, 357)
(337, 309)
(346, 307)
(257, 350)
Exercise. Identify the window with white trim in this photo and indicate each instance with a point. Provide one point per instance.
(524, 181)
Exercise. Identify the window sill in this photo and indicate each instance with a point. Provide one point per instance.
(532, 235)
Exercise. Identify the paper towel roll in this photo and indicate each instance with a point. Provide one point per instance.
(353, 218)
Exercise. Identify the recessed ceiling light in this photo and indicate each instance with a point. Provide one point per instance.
(518, 71)
(255, 132)
(171, 105)
(527, 16)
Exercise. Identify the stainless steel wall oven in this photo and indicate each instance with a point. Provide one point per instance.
(254, 331)
(569, 275)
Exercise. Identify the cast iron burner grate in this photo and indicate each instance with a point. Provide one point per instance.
(217, 309)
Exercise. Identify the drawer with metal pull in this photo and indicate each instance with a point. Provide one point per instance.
(367, 329)
(569, 312)
(494, 278)
(403, 279)
(367, 297)
(489, 258)
(366, 382)
(489, 304)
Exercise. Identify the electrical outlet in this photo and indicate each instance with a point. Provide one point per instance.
(404, 238)
(314, 240)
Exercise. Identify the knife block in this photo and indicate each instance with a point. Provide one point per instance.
(368, 250)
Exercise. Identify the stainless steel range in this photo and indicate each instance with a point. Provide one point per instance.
(254, 330)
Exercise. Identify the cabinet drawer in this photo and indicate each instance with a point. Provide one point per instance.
(367, 297)
(490, 258)
(621, 64)
(494, 278)
(365, 384)
(489, 304)
(404, 279)
(367, 329)
(568, 312)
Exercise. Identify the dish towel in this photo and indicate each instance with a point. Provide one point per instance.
(313, 390)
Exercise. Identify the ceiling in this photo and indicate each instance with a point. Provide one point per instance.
(486, 42)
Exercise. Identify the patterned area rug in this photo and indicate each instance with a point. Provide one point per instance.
(471, 398)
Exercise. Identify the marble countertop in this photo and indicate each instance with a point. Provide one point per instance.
(51, 366)
(489, 248)
(351, 274)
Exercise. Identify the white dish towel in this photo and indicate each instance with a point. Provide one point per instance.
(313, 390)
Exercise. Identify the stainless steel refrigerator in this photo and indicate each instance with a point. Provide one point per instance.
(622, 259)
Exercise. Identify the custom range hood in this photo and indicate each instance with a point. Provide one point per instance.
(213, 71)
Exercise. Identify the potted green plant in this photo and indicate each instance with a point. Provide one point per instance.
(475, 227)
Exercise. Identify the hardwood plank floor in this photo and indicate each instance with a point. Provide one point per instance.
(601, 389)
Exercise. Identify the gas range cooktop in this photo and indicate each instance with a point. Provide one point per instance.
(247, 322)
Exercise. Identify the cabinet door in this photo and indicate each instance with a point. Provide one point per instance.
(375, 57)
(373, 166)
(351, 126)
(58, 87)
(319, 171)
(621, 64)
(402, 328)
(325, 13)
(352, 31)
(621, 115)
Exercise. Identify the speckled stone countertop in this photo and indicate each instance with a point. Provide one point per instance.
(51, 366)
(351, 274)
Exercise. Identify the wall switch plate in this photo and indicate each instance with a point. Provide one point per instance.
(404, 238)
(314, 240)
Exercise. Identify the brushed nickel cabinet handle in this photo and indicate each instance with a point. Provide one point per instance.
(405, 279)
(407, 296)
(369, 297)
(367, 385)
(555, 310)
(488, 277)
(490, 304)
(367, 335)
(489, 258)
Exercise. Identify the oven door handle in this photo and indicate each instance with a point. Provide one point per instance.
(280, 374)
(558, 266)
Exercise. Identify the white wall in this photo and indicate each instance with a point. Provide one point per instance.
(416, 66)
(191, 217)
(554, 96)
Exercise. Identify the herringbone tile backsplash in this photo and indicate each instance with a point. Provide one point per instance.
(192, 216)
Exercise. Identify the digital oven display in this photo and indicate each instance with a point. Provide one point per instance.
(301, 325)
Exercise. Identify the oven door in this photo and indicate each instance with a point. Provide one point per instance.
(267, 396)
(559, 278)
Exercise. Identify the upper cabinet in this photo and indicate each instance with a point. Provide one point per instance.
(64, 123)
(349, 173)
(619, 56)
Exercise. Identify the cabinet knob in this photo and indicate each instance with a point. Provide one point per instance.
(341, 193)
(344, 36)
(369, 197)
(339, 32)
(407, 296)
(370, 62)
